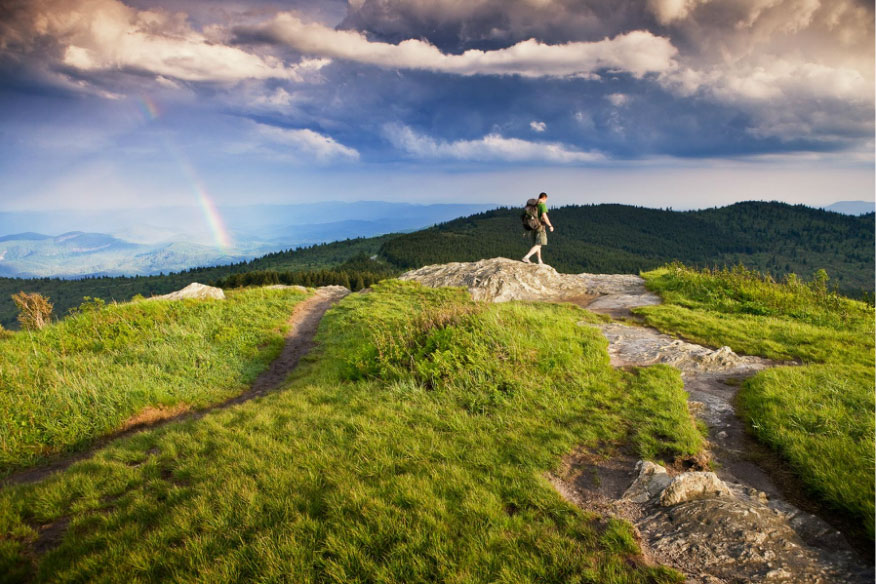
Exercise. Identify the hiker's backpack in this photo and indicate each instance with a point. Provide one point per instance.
(530, 218)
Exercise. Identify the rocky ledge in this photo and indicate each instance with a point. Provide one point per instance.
(501, 280)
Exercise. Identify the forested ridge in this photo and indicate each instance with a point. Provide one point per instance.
(775, 238)
(771, 237)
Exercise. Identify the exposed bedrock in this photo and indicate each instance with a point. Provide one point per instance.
(501, 280)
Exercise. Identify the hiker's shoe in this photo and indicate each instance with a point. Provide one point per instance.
(526, 260)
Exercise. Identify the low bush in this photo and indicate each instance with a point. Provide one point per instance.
(34, 310)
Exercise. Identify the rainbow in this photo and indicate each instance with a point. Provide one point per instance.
(148, 108)
(214, 220)
(205, 201)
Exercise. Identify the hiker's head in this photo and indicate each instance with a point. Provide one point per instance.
(542, 196)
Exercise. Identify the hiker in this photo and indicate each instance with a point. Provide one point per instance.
(538, 233)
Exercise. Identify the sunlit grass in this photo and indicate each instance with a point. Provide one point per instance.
(82, 377)
(411, 446)
(819, 416)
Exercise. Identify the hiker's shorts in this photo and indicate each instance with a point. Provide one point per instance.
(539, 237)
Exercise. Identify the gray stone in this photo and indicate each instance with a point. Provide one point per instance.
(195, 290)
(690, 486)
(651, 480)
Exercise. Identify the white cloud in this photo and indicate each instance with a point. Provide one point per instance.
(638, 52)
(766, 78)
(667, 11)
(169, 83)
(618, 99)
(99, 35)
(278, 98)
(537, 126)
(492, 147)
(307, 143)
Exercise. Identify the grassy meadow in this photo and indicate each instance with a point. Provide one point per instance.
(83, 377)
(411, 445)
(819, 415)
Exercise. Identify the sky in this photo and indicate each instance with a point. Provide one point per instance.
(662, 103)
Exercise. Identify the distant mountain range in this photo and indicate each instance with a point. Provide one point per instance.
(152, 241)
(72, 254)
(852, 207)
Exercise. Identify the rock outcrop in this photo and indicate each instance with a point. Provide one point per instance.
(633, 345)
(712, 531)
(714, 527)
(194, 290)
(501, 280)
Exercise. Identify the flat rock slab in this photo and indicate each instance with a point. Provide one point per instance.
(502, 280)
(634, 345)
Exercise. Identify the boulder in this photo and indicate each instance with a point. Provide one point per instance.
(195, 290)
(653, 481)
(693, 485)
(650, 481)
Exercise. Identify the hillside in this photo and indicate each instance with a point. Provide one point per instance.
(770, 237)
(408, 446)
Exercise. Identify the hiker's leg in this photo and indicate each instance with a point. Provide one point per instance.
(541, 240)
(535, 248)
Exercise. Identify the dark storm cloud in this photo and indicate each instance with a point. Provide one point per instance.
(486, 78)
(492, 23)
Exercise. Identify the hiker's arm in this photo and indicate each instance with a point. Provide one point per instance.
(547, 220)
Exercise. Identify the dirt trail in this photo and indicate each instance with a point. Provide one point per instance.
(757, 534)
(302, 328)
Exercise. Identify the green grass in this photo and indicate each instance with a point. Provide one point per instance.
(78, 379)
(820, 415)
(411, 446)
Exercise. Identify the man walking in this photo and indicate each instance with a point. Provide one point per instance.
(539, 236)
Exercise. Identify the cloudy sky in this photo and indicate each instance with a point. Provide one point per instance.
(681, 103)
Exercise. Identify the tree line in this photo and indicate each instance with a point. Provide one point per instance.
(773, 238)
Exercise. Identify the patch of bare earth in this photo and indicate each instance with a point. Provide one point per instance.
(50, 535)
(149, 416)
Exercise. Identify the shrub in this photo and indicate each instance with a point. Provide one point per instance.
(34, 310)
(89, 304)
